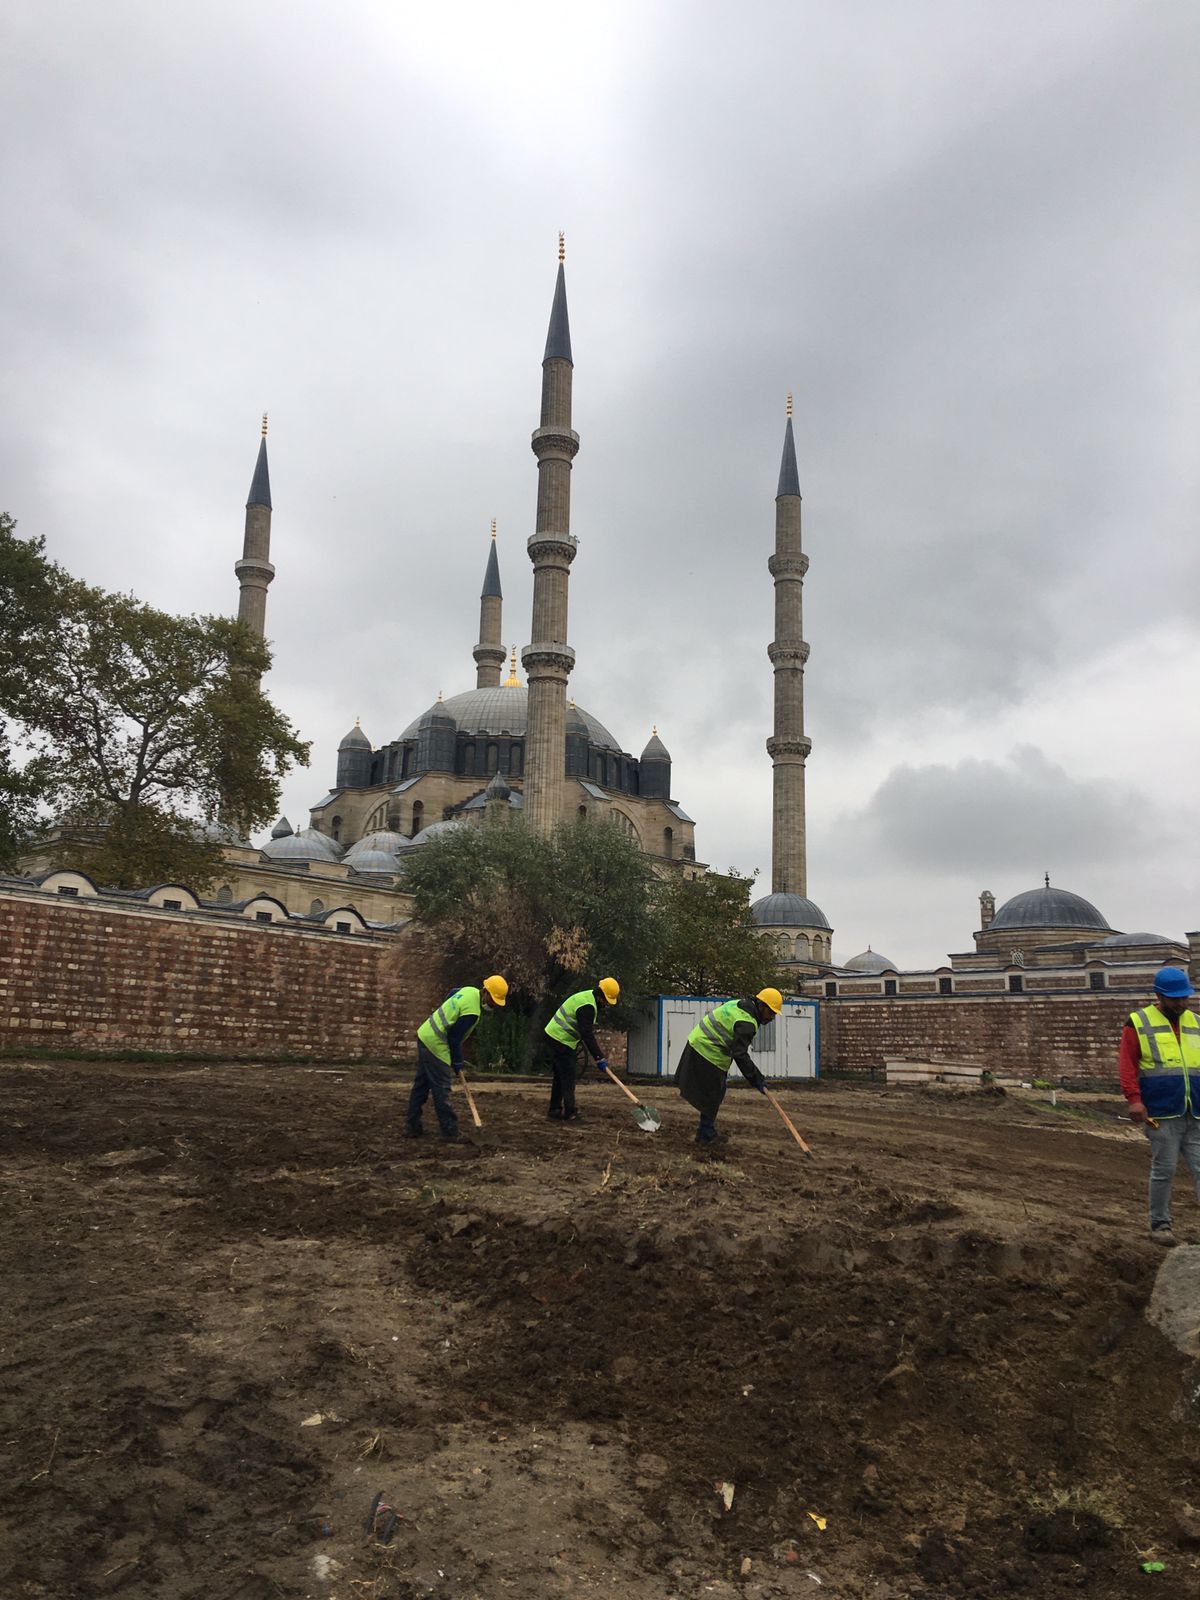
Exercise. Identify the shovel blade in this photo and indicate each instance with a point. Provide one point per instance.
(647, 1120)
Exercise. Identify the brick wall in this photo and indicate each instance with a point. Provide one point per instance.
(89, 975)
(1029, 1035)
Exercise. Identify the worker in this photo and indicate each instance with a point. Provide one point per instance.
(720, 1038)
(572, 1025)
(440, 1040)
(1160, 1050)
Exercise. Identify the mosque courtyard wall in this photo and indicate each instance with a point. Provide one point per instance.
(90, 974)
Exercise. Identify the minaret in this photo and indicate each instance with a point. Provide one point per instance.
(254, 570)
(787, 747)
(548, 659)
(489, 652)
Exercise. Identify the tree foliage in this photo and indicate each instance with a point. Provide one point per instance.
(707, 940)
(552, 913)
(143, 727)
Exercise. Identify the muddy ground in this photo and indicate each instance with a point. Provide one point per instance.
(237, 1308)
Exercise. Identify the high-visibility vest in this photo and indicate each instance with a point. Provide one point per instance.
(562, 1025)
(433, 1031)
(1167, 1062)
(712, 1037)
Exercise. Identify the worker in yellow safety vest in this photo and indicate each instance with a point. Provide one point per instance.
(572, 1025)
(721, 1037)
(440, 1040)
(1160, 1079)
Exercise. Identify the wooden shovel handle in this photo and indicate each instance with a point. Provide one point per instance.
(623, 1088)
(470, 1100)
(791, 1127)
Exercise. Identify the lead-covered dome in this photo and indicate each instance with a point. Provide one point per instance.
(307, 845)
(1047, 907)
(504, 709)
(788, 911)
(870, 961)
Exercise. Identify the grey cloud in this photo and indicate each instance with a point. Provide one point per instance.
(1016, 817)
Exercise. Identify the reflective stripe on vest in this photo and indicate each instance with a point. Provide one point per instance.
(1167, 1061)
(713, 1036)
(434, 1031)
(562, 1025)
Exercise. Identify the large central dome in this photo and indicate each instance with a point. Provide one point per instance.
(505, 709)
(1048, 908)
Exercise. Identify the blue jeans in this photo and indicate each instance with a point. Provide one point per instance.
(1172, 1135)
(433, 1078)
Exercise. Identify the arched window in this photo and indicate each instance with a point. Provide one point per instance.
(493, 758)
(224, 895)
(468, 757)
(335, 828)
(418, 817)
(514, 760)
(668, 843)
(597, 766)
(803, 949)
(316, 908)
(583, 811)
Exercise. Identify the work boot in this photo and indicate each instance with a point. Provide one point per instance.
(413, 1133)
(554, 1116)
(711, 1138)
(453, 1134)
(1164, 1235)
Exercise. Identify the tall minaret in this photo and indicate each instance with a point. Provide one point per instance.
(489, 652)
(254, 570)
(787, 746)
(548, 659)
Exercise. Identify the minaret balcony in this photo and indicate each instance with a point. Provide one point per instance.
(552, 549)
(788, 652)
(555, 442)
(787, 566)
(550, 660)
(252, 571)
(785, 749)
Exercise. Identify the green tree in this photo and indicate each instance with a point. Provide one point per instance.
(707, 940)
(144, 728)
(548, 912)
(552, 912)
(31, 599)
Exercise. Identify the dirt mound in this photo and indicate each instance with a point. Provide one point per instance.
(241, 1311)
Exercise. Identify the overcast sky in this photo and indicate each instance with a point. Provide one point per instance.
(963, 233)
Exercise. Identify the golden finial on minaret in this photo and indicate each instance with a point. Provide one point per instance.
(512, 681)
(439, 696)
(562, 245)
(493, 527)
(789, 402)
(264, 424)
(654, 730)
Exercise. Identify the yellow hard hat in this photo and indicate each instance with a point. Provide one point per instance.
(610, 989)
(772, 998)
(497, 988)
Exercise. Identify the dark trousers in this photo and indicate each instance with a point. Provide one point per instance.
(433, 1078)
(702, 1085)
(562, 1091)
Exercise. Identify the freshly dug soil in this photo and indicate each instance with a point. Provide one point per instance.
(239, 1309)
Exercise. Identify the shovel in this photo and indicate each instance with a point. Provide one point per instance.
(484, 1138)
(647, 1119)
(791, 1127)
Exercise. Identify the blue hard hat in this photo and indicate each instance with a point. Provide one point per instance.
(1173, 982)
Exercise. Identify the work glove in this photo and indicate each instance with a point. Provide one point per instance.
(457, 1070)
(602, 1065)
(760, 1083)
(1137, 1111)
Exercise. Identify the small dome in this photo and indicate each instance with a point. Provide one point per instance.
(383, 840)
(1047, 908)
(787, 911)
(870, 961)
(1125, 940)
(308, 845)
(356, 739)
(655, 749)
(375, 861)
(282, 829)
(497, 789)
(436, 717)
(436, 829)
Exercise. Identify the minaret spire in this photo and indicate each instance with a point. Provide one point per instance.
(548, 660)
(787, 746)
(489, 652)
(254, 571)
